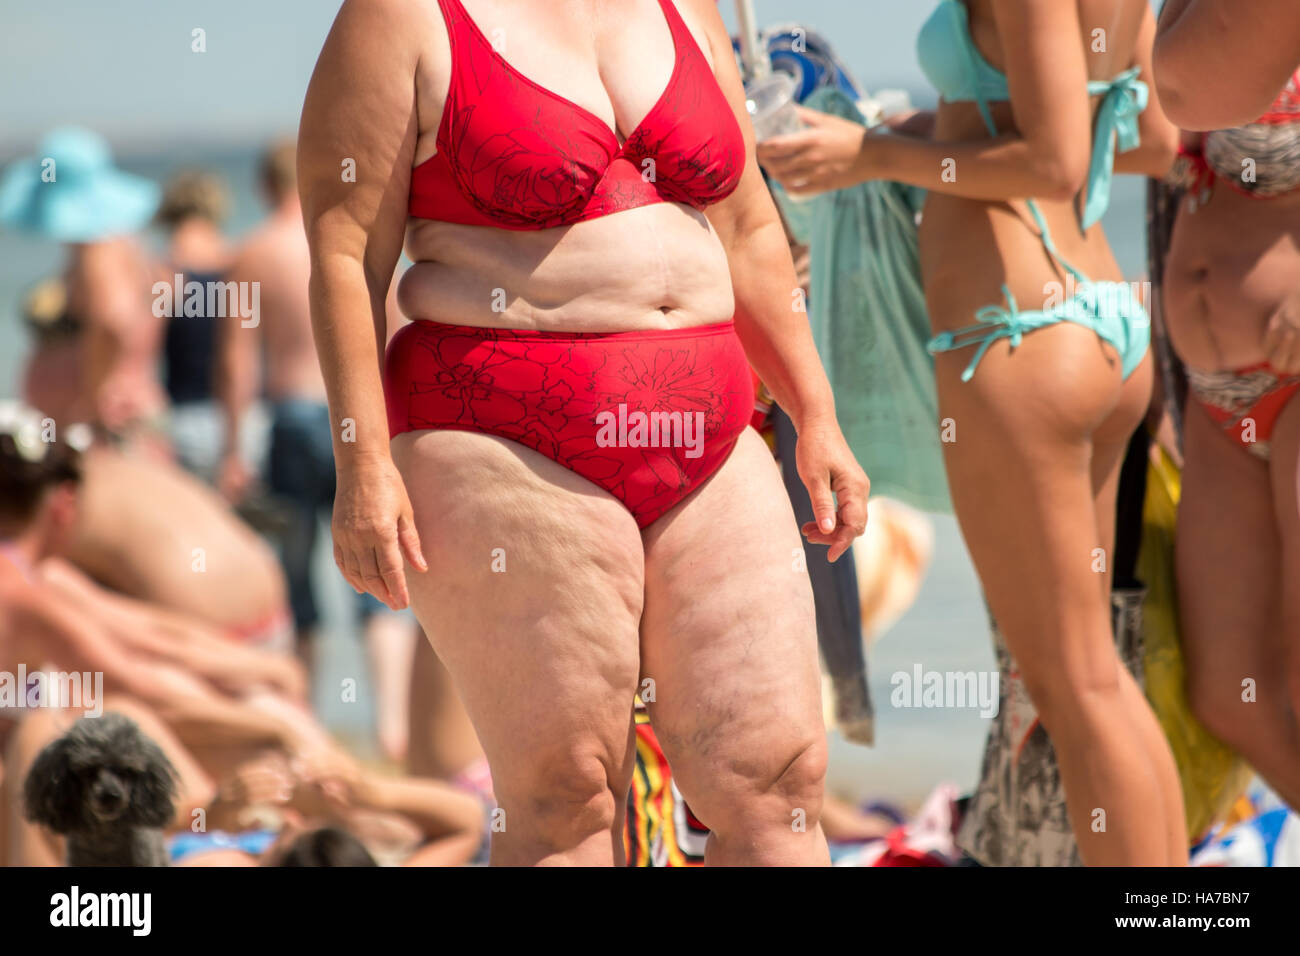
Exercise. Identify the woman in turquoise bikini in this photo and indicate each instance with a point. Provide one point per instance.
(1022, 289)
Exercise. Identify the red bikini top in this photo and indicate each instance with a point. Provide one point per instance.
(514, 155)
(1286, 108)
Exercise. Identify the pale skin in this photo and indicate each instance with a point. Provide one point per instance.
(1233, 292)
(1041, 431)
(1220, 63)
(139, 526)
(592, 604)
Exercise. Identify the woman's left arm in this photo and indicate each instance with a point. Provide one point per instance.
(773, 324)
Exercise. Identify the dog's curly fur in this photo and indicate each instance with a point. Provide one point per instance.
(108, 788)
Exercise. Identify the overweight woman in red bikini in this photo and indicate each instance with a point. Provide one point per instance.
(1232, 308)
(582, 511)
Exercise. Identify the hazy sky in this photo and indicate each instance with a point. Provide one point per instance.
(125, 68)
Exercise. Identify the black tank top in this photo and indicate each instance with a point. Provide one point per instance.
(190, 346)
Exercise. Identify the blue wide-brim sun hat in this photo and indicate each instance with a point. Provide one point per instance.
(71, 191)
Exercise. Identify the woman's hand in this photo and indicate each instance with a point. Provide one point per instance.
(832, 153)
(832, 476)
(264, 779)
(328, 782)
(1282, 337)
(373, 528)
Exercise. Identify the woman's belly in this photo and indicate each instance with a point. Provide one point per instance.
(655, 267)
(1231, 263)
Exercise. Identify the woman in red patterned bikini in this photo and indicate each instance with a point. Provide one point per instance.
(572, 500)
(1233, 310)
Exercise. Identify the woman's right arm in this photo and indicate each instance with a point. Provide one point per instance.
(1046, 157)
(356, 143)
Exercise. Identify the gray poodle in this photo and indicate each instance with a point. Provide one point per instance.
(108, 788)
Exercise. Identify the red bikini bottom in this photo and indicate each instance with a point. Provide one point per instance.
(646, 415)
(1245, 403)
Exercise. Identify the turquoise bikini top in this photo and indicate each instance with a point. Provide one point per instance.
(950, 60)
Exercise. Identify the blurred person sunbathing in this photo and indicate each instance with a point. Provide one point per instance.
(591, 238)
(300, 458)
(1219, 63)
(41, 631)
(1232, 307)
(154, 533)
(163, 634)
(1040, 356)
(400, 820)
(71, 192)
(194, 205)
(147, 529)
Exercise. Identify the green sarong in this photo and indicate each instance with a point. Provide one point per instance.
(867, 311)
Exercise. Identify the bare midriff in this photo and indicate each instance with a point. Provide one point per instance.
(1232, 262)
(660, 266)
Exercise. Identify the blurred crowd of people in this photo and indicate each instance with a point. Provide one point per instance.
(151, 443)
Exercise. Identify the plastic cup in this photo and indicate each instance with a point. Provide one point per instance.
(770, 101)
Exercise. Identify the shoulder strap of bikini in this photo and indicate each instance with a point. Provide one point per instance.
(961, 23)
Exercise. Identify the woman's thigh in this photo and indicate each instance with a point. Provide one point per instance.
(729, 637)
(1286, 509)
(532, 601)
(1110, 448)
(1020, 464)
(1228, 562)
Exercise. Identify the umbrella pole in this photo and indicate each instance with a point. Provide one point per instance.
(753, 61)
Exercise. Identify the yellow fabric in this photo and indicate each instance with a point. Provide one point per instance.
(1213, 775)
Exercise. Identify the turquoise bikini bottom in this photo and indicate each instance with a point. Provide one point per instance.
(1111, 309)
